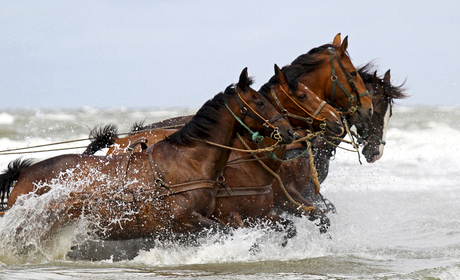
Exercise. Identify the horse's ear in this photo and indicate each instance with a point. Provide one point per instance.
(337, 40)
(387, 77)
(279, 76)
(374, 77)
(244, 80)
(344, 45)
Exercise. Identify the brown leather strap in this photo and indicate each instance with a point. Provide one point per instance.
(176, 189)
(142, 141)
(244, 191)
(295, 152)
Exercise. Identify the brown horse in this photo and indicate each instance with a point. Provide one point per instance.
(328, 71)
(371, 134)
(246, 194)
(169, 187)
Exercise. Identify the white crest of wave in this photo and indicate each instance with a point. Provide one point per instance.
(6, 118)
(240, 247)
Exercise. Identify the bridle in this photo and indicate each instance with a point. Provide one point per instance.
(335, 81)
(287, 114)
(363, 139)
(256, 116)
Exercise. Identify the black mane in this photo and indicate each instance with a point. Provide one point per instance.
(393, 92)
(203, 124)
(292, 81)
(307, 62)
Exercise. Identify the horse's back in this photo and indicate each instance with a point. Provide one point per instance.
(43, 172)
(152, 136)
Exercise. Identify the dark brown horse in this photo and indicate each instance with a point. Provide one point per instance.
(169, 187)
(246, 195)
(373, 134)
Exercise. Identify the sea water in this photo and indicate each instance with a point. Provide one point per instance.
(397, 218)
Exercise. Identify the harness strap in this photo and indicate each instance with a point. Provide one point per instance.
(285, 112)
(295, 153)
(176, 189)
(165, 189)
(244, 191)
(333, 54)
(254, 114)
(320, 107)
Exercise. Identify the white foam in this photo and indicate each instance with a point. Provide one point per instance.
(6, 118)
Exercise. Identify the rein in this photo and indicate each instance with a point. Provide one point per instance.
(306, 209)
(287, 114)
(367, 135)
(256, 116)
(351, 110)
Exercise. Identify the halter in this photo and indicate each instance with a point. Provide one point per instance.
(333, 54)
(256, 116)
(309, 119)
(366, 135)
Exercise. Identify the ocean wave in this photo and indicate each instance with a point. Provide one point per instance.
(6, 119)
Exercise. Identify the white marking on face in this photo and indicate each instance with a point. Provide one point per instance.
(386, 120)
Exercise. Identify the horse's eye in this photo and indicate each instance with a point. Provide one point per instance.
(302, 97)
(260, 103)
(354, 73)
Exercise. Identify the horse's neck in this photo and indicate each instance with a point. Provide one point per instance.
(216, 148)
(323, 149)
(271, 163)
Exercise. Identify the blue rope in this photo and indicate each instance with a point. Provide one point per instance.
(256, 137)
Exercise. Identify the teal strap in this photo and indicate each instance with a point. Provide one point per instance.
(256, 137)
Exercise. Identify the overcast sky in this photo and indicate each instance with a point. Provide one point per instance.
(149, 54)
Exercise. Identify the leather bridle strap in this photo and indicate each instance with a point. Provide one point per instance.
(287, 114)
(302, 108)
(333, 55)
(253, 114)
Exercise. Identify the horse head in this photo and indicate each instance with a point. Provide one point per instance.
(328, 71)
(373, 133)
(257, 113)
(300, 106)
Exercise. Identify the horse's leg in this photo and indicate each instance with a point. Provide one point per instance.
(233, 220)
(281, 225)
(203, 222)
(323, 204)
(294, 182)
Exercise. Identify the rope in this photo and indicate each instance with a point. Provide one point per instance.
(258, 151)
(41, 151)
(314, 172)
(306, 209)
(301, 107)
(310, 136)
(13, 151)
(353, 141)
(44, 145)
(255, 135)
(267, 123)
